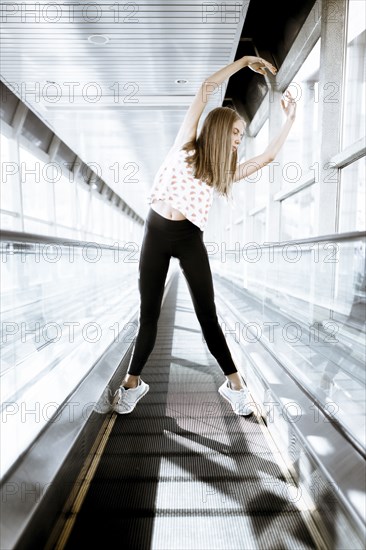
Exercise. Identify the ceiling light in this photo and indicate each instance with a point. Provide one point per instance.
(98, 39)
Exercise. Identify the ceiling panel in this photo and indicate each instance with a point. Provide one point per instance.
(117, 104)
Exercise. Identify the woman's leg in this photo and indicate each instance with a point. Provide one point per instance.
(153, 268)
(194, 262)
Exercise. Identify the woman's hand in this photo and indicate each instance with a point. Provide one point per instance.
(288, 105)
(259, 65)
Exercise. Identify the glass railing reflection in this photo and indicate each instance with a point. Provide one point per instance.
(306, 301)
(62, 306)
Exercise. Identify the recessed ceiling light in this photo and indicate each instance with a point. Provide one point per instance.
(181, 81)
(98, 39)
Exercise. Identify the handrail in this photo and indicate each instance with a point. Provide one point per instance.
(347, 236)
(17, 236)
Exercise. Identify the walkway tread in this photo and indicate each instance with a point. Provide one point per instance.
(182, 471)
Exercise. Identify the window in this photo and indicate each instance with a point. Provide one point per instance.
(37, 187)
(97, 215)
(107, 218)
(83, 200)
(261, 186)
(298, 215)
(10, 198)
(354, 98)
(301, 149)
(39, 227)
(65, 201)
(352, 197)
(259, 226)
(10, 222)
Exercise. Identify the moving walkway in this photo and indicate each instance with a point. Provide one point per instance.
(182, 470)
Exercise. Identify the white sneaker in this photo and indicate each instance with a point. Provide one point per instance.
(238, 399)
(127, 399)
(104, 404)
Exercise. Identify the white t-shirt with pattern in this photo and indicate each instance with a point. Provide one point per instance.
(175, 184)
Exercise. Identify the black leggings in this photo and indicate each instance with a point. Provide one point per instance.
(181, 239)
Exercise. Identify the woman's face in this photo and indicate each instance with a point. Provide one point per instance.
(237, 134)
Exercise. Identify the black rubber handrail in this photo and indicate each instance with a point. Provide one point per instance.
(17, 236)
(348, 236)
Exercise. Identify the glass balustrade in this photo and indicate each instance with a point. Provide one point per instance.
(306, 302)
(62, 305)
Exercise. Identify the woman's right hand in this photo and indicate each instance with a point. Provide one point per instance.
(288, 105)
(259, 65)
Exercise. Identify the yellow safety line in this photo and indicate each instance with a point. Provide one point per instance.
(85, 483)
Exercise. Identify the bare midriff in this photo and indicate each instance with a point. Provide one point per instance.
(166, 210)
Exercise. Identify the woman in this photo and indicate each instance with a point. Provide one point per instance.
(194, 169)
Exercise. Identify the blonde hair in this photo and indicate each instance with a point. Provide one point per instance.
(213, 159)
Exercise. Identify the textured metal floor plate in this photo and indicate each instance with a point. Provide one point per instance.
(210, 466)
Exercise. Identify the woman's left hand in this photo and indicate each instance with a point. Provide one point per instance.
(258, 64)
(288, 105)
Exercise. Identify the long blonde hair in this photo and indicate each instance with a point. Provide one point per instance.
(213, 159)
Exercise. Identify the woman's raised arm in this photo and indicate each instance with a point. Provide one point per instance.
(188, 129)
(251, 166)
